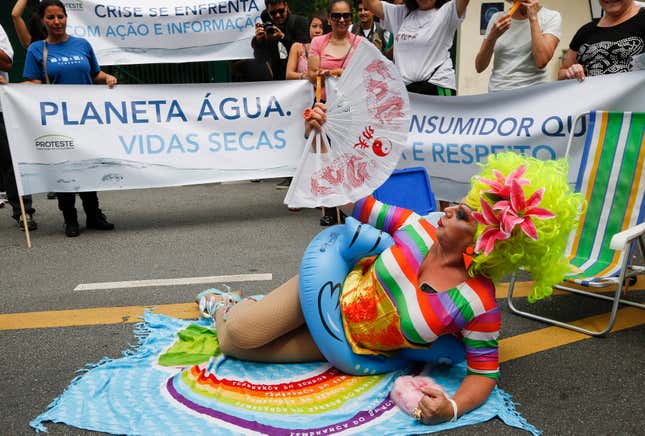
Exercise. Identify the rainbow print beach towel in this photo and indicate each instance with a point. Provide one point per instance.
(177, 382)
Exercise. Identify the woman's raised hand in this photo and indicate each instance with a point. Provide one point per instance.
(316, 116)
(500, 27)
(532, 7)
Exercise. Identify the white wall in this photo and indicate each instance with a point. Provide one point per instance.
(575, 13)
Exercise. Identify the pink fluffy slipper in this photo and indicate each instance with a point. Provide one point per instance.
(406, 392)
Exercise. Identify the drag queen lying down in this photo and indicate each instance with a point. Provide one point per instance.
(431, 285)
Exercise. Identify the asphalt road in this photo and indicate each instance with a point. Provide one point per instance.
(588, 387)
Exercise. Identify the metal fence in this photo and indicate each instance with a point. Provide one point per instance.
(192, 72)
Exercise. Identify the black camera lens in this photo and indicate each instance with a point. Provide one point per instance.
(269, 28)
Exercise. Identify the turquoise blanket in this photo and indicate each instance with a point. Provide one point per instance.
(177, 382)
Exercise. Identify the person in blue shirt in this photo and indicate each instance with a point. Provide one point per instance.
(62, 59)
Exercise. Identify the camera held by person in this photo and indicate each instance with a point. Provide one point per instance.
(275, 34)
(269, 29)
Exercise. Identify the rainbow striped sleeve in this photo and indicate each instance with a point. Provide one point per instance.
(383, 216)
(481, 339)
(480, 326)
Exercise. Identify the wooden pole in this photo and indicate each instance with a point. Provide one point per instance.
(318, 88)
(318, 97)
(24, 221)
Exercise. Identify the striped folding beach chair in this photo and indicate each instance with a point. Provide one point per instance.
(612, 179)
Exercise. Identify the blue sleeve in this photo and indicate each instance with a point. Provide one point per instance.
(95, 68)
(33, 66)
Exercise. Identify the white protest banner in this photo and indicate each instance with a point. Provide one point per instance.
(223, 139)
(163, 31)
(450, 135)
(69, 138)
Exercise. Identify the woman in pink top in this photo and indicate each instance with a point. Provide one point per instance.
(329, 54)
(298, 63)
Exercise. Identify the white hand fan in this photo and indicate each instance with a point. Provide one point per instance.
(368, 116)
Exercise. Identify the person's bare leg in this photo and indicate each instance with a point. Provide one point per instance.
(270, 330)
(292, 347)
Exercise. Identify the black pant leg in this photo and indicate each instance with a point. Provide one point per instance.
(90, 203)
(8, 177)
(66, 202)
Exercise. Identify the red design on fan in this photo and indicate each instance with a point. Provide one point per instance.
(357, 171)
(378, 88)
(368, 134)
(382, 147)
(316, 188)
(379, 67)
(349, 170)
(384, 102)
(362, 143)
(390, 110)
(332, 174)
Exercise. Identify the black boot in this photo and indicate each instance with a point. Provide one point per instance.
(98, 221)
(331, 217)
(71, 224)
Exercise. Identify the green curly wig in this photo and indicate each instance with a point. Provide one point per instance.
(542, 258)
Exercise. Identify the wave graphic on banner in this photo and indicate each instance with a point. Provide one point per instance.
(108, 174)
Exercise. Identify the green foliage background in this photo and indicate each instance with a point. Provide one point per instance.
(305, 7)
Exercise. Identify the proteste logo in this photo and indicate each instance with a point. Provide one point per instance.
(54, 142)
(73, 5)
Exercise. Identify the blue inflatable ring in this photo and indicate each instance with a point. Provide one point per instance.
(326, 262)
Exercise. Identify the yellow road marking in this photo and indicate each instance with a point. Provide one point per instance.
(132, 314)
(553, 337)
(94, 316)
(510, 348)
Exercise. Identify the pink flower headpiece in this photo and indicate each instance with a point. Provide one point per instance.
(509, 209)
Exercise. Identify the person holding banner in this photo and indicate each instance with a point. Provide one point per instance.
(606, 45)
(424, 32)
(44, 64)
(432, 286)
(7, 176)
(28, 34)
(523, 44)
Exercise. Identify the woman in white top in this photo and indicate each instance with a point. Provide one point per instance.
(522, 45)
(424, 32)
